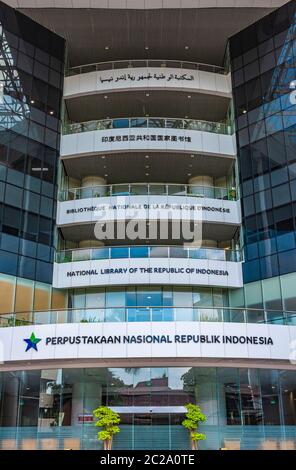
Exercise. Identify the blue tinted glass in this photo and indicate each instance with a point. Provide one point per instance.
(251, 271)
(120, 123)
(8, 263)
(269, 266)
(27, 267)
(119, 252)
(100, 253)
(9, 243)
(286, 242)
(139, 251)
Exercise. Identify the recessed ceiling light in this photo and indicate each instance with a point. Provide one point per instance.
(147, 115)
(106, 175)
(190, 166)
(106, 48)
(147, 94)
(105, 166)
(286, 391)
(186, 117)
(105, 97)
(146, 48)
(146, 156)
(147, 174)
(273, 387)
(189, 96)
(186, 48)
(244, 111)
(32, 101)
(51, 112)
(189, 174)
(192, 156)
(147, 166)
(103, 156)
(148, 296)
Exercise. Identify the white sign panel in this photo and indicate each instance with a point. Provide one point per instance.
(145, 139)
(147, 78)
(148, 207)
(136, 271)
(147, 340)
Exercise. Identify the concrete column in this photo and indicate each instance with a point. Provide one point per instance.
(202, 185)
(93, 186)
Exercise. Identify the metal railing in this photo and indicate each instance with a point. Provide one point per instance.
(148, 189)
(162, 63)
(148, 122)
(139, 251)
(150, 314)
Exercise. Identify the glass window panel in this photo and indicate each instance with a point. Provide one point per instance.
(229, 396)
(149, 297)
(119, 252)
(24, 295)
(139, 251)
(270, 397)
(95, 298)
(115, 298)
(42, 294)
(288, 394)
(182, 297)
(253, 295)
(7, 293)
(250, 396)
(272, 293)
(288, 283)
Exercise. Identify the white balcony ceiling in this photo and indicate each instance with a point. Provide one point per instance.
(216, 231)
(158, 104)
(196, 32)
(165, 166)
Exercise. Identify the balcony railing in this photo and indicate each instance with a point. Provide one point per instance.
(148, 189)
(150, 314)
(145, 63)
(148, 122)
(138, 251)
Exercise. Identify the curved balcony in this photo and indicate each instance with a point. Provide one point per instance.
(147, 265)
(148, 189)
(137, 251)
(144, 63)
(134, 77)
(148, 134)
(150, 122)
(150, 314)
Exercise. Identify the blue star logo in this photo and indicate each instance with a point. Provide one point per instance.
(32, 342)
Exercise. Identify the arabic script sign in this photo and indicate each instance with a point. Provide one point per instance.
(148, 76)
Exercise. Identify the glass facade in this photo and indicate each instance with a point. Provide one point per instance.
(31, 81)
(263, 60)
(245, 408)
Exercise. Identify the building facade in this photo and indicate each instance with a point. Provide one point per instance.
(147, 223)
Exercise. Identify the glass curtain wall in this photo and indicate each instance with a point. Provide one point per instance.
(54, 407)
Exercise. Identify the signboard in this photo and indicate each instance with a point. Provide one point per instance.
(135, 271)
(147, 340)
